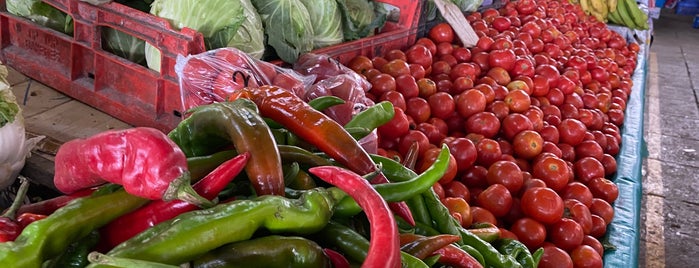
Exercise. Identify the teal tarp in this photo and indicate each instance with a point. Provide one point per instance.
(624, 230)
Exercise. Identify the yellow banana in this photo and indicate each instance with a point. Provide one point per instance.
(599, 5)
(585, 5)
(612, 4)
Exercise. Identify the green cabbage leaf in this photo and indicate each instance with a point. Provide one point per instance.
(288, 27)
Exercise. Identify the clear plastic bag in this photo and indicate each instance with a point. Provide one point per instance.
(212, 76)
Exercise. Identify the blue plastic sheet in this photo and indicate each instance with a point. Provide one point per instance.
(624, 230)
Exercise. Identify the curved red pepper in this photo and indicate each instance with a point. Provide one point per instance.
(453, 256)
(338, 260)
(143, 160)
(128, 225)
(317, 129)
(48, 206)
(384, 245)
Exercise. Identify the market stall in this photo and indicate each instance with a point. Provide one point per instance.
(398, 143)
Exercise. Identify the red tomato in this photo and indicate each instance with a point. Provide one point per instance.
(475, 176)
(429, 44)
(395, 98)
(425, 87)
(470, 102)
(464, 151)
(587, 168)
(594, 243)
(571, 131)
(459, 206)
(609, 163)
(584, 256)
(484, 123)
(555, 257)
(530, 232)
(428, 158)
(418, 109)
(433, 134)
(552, 170)
(518, 101)
(603, 209)
(382, 83)
(442, 104)
(566, 234)
(506, 173)
(604, 189)
(360, 64)
(496, 199)
(414, 136)
(599, 227)
(542, 204)
(419, 54)
(514, 123)
(482, 215)
(397, 127)
(580, 213)
(488, 152)
(527, 144)
(504, 58)
(578, 191)
(441, 32)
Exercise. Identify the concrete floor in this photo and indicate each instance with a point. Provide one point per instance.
(670, 204)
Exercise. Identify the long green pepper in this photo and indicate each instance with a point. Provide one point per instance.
(192, 234)
(356, 246)
(46, 239)
(404, 190)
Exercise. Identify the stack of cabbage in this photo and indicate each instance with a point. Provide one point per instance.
(288, 27)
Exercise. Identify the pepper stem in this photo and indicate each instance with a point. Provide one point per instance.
(99, 258)
(17, 202)
(181, 189)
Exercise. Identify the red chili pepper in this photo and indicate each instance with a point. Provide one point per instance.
(128, 225)
(384, 245)
(424, 246)
(143, 160)
(453, 256)
(338, 260)
(25, 219)
(9, 227)
(317, 129)
(48, 206)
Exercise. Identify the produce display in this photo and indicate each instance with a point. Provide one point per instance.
(621, 12)
(436, 155)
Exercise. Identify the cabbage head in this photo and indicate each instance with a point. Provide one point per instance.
(360, 19)
(218, 20)
(249, 37)
(288, 27)
(327, 22)
(41, 13)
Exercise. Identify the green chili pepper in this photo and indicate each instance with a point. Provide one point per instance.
(486, 231)
(267, 251)
(290, 153)
(518, 250)
(492, 257)
(199, 166)
(48, 238)
(395, 171)
(537, 256)
(371, 118)
(99, 258)
(355, 246)
(404, 190)
(302, 181)
(324, 102)
(219, 125)
(192, 234)
(474, 253)
(76, 254)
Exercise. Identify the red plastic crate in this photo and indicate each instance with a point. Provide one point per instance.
(80, 68)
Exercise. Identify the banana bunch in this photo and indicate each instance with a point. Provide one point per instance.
(629, 14)
(622, 12)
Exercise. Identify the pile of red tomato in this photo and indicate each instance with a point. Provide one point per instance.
(531, 115)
